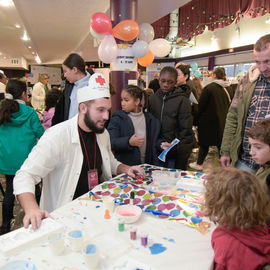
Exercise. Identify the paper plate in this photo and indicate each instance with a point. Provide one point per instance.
(18, 265)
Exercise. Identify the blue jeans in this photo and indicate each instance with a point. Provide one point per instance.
(242, 166)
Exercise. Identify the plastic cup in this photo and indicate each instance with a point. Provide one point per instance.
(56, 243)
(75, 240)
(91, 255)
(108, 203)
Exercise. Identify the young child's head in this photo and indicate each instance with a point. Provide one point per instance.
(259, 140)
(51, 98)
(131, 98)
(168, 79)
(236, 199)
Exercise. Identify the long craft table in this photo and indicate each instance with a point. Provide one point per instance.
(171, 244)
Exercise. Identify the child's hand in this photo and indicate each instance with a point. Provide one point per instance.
(165, 145)
(136, 141)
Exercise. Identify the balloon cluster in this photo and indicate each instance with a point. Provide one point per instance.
(195, 71)
(144, 48)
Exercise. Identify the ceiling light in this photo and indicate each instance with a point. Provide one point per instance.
(37, 59)
(33, 52)
(17, 26)
(6, 3)
(29, 47)
(25, 36)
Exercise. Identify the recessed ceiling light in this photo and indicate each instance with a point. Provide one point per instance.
(17, 26)
(6, 3)
(37, 59)
(1, 53)
(25, 36)
(33, 52)
(29, 47)
(5, 57)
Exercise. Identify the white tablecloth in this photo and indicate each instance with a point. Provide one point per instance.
(182, 247)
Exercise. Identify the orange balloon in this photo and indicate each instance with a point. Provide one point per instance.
(126, 30)
(146, 60)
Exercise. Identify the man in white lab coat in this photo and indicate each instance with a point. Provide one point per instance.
(72, 157)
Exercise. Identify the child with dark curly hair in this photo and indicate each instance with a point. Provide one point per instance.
(238, 203)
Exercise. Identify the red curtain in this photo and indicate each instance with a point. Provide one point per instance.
(194, 16)
(162, 27)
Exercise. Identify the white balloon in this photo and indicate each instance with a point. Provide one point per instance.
(107, 50)
(96, 35)
(146, 32)
(160, 47)
(140, 48)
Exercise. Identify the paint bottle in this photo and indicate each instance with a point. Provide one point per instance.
(132, 196)
(144, 239)
(133, 233)
(121, 225)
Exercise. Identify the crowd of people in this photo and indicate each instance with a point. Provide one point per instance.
(77, 151)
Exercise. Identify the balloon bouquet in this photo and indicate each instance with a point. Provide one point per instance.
(195, 71)
(145, 48)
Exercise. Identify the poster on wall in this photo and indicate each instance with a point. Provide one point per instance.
(54, 74)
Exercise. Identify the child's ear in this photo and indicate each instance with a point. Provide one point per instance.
(137, 101)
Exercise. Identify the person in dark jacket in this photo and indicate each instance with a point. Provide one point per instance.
(154, 84)
(77, 77)
(213, 108)
(173, 110)
(134, 133)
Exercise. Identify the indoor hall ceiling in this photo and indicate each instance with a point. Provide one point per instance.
(59, 27)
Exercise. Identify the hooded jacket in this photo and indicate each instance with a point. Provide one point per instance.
(174, 112)
(236, 249)
(17, 138)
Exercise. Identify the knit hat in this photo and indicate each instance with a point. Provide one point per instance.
(97, 88)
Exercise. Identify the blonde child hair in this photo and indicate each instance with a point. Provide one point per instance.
(236, 199)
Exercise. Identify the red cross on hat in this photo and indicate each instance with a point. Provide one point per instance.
(100, 80)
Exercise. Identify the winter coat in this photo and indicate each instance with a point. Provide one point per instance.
(121, 129)
(236, 249)
(62, 106)
(213, 108)
(174, 113)
(17, 138)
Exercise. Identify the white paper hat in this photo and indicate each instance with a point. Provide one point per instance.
(97, 88)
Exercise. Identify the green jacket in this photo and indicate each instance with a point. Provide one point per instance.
(17, 138)
(235, 122)
(263, 172)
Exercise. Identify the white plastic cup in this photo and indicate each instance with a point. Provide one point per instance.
(109, 203)
(56, 243)
(91, 256)
(75, 240)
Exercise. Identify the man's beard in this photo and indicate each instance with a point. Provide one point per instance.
(91, 125)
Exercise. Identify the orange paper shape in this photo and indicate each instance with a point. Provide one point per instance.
(107, 214)
(146, 60)
(126, 30)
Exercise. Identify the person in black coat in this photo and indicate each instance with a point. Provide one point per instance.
(134, 133)
(214, 103)
(154, 84)
(171, 106)
(76, 77)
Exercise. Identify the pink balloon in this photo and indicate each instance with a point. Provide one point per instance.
(101, 23)
(107, 50)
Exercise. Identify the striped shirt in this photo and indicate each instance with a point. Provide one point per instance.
(259, 107)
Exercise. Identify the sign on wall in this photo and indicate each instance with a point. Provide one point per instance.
(53, 72)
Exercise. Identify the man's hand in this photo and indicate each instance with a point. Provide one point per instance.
(33, 214)
(136, 141)
(34, 217)
(225, 161)
(133, 170)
